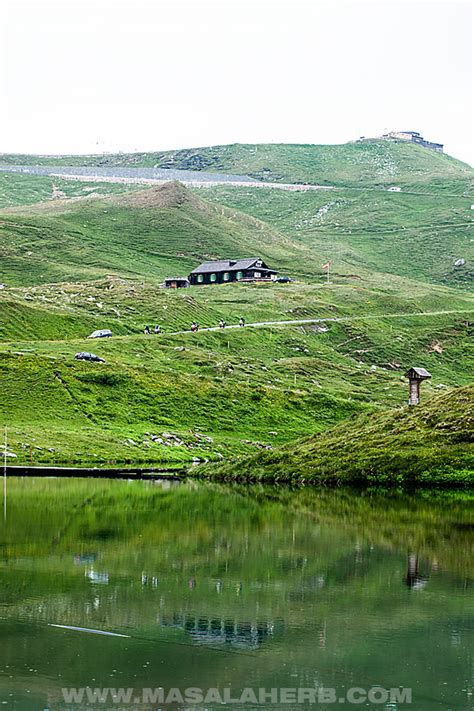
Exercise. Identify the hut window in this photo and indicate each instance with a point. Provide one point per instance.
(240, 275)
(257, 274)
(213, 277)
(226, 276)
(200, 278)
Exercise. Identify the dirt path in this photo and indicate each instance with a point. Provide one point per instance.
(336, 319)
(270, 324)
(194, 183)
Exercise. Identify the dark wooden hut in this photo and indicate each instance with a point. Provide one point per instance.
(228, 270)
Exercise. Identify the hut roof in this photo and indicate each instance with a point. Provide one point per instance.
(417, 373)
(222, 265)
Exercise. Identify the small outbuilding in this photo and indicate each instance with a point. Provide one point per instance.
(224, 271)
(176, 283)
(416, 377)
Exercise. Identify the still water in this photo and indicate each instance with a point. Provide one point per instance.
(233, 588)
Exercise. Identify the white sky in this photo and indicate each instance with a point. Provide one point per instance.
(79, 76)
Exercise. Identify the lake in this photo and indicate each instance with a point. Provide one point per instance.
(320, 598)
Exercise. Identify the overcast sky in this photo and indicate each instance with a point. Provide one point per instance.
(79, 76)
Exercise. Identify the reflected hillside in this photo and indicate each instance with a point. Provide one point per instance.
(267, 587)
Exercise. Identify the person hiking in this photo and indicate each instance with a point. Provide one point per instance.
(241, 321)
(146, 330)
(194, 327)
(157, 329)
(222, 323)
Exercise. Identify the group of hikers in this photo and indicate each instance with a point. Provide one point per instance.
(194, 326)
(147, 330)
(222, 324)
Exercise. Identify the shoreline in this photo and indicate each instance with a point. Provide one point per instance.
(183, 474)
(139, 473)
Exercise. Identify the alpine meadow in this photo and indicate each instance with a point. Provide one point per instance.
(236, 355)
(318, 370)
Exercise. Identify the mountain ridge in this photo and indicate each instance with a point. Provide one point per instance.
(350, 164)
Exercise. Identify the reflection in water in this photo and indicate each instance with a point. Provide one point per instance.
(222, 631)
(215, 587)
(413, 578)
(95, 577)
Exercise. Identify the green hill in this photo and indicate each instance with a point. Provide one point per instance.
(421, 237)
(163, 230)
(356, 164)
(149, 234)
(244, 388)
(24, 189)
(428, 444)
(75, 264)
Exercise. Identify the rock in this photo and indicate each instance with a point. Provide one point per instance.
(10, 454)
(259, 445)
(131, 441)
(436, 347)
(459, 262)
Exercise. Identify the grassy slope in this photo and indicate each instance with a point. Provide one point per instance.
(233, 385)
(432, 443)
(19, 189)
(73, 309)
(153, 233)
(351, 164)
(416, 236)
(270, 385)
(149, 234)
